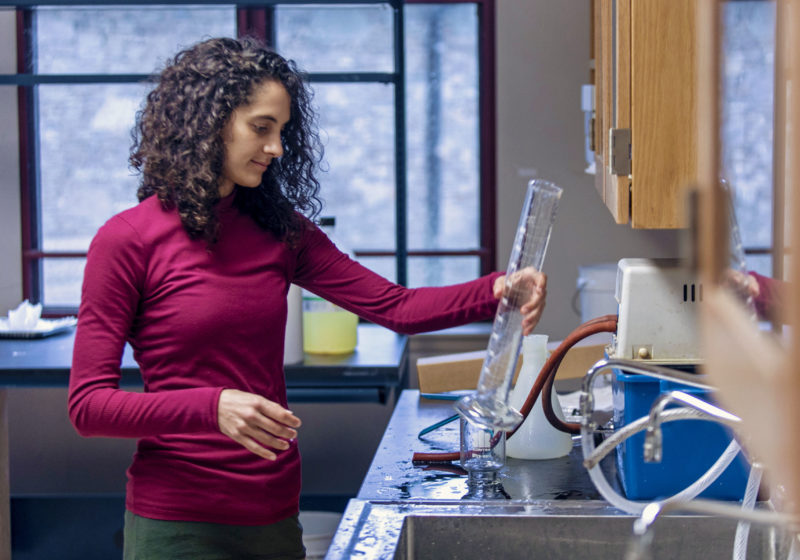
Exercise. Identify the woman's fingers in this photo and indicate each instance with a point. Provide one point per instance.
(255, 447)
(534, 286)
(531, 319)
(258, 424)
(536, 300)
(278, 415)
(527, 287)
(499, 286)
(743, 284)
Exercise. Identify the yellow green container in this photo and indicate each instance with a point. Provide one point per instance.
(327, 328)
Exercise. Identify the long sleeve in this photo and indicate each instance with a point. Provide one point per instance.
(326, 271)
(113, 282)
(771, 296)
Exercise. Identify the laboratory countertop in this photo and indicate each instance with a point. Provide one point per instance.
(392, 476)
(551, 508)
(377, 367)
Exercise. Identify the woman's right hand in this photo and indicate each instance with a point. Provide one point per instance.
(260, 425)
(741, 283)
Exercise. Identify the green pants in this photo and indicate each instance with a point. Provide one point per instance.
(154, 539)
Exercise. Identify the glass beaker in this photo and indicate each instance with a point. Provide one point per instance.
(482, 449)
(483, 453)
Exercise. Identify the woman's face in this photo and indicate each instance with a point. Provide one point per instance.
(252, 136)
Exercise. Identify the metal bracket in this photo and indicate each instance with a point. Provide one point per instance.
(619, 139)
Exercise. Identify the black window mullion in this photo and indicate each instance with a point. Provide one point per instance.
(486, 134)
(35, 191)
(28, 80)
(401, 191)
(29, 148)
(354, 77)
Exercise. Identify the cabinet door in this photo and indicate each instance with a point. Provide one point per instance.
(645, 83)
(662, 99)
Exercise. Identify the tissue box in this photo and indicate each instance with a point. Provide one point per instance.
(454, 372)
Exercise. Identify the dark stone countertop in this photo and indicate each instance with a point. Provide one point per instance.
(392, 476)
(374, 372)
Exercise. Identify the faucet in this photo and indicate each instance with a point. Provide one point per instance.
(653, 511)
(633, 366)
(653, 434)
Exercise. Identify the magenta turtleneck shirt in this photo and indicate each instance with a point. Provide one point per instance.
(201, 320)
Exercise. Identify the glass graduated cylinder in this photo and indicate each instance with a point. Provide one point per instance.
(488, 406)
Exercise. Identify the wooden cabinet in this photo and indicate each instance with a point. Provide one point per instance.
(644, 130)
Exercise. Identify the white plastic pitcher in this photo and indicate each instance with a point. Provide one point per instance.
(536, 438)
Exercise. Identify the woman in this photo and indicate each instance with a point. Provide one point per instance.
(195, 278)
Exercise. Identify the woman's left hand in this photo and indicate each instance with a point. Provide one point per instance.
(528, 286)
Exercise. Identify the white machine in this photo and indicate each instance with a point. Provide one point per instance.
(659, 303)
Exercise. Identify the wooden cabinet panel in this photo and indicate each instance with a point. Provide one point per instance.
(662, 111)
(645, 82)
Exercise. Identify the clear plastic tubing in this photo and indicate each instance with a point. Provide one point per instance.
(488, 405)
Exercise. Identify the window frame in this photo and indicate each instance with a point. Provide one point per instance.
(257, 19)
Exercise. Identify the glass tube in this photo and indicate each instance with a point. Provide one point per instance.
(488, 405)
(738, 260)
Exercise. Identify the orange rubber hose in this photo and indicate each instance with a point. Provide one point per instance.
(608, 323)
(544, 381)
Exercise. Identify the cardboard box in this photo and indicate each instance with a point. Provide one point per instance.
(450, 372)
(453, 372)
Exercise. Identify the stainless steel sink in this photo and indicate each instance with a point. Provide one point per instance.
(563, 537)
(591, 529)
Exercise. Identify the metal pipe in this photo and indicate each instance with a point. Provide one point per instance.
(632, 366)
(653, 435)
(638, 425)
(654, 510)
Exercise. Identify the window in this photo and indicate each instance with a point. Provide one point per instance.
(80, 175)
(747, 135)
(403, 91)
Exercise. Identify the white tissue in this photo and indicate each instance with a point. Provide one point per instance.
(25, 316)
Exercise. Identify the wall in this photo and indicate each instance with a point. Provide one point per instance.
(542, 60)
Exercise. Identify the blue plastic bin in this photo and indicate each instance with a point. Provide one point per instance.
(690, 447)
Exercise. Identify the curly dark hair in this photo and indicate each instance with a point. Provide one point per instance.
(178, 147)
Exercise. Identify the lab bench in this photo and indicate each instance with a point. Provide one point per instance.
(372, 373)
(392, 476)
(553, 509)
